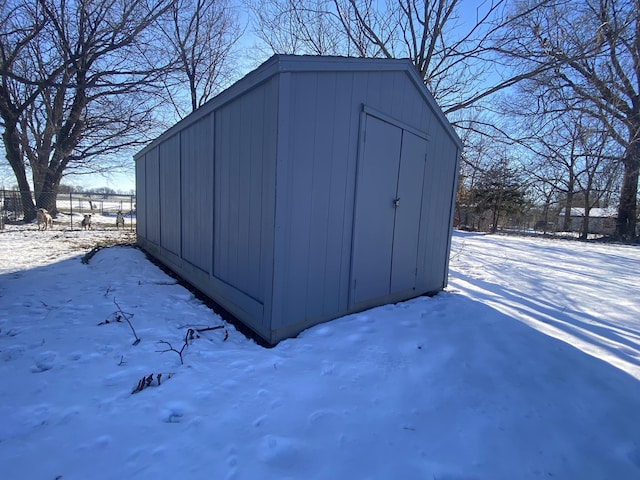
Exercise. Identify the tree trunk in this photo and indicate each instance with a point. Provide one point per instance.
(568, 204)
(495, 214)
(14, 156)
(48, 193)
(584, 235)
(626, 223)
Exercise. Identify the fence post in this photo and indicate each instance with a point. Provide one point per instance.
(2, 210)
(71, 210)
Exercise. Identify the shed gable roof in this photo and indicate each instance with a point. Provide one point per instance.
(280, 63)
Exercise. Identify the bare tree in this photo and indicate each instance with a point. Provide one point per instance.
(452, 50)
(598, 173)
(298, 27)
(81, 79)
(477, 156)
(594, 49)
(20, 25)
(447, 54)
(580, 157)
(568, 152)
(201, 35)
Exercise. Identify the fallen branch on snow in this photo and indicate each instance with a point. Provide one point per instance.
(149, 381)
(192, 333)
(217, 327)
(118, 315)
(89, 255)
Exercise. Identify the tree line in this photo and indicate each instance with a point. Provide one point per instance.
(546, 88)
(83, 81)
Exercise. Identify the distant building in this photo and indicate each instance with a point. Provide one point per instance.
(602, 221)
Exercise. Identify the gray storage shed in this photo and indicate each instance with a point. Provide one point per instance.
(312, 188)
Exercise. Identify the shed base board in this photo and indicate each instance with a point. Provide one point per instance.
(212, 288)
(221, 293)
(291, 331)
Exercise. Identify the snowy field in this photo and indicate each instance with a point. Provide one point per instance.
(526, 367)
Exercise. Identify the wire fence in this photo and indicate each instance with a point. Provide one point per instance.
(106, 210)
(600, 222)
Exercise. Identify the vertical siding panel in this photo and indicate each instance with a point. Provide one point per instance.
(240, 191)
(419, 113)
(423, 281)
(153, 195)
(243, 273)
(189, 189)
(237, 137)
(254, 197)
(330, 200)
(225, 160)
(283, 199)
(320, 195)
(393, 94)
(170, 194)
(428, 234)
(302, 145)
(436, 226)
(398, 93)
(222, 146)
(197, 193)
(374, 89)
(322, 145)
(427, 117)
(439, 177)
(340, 197)
(267, 199)
(316, 196)
(221, 191)
(141, 197)
(448, 172)
(453, 152)
(356, 100)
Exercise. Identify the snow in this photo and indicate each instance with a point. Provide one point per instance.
(527, 366)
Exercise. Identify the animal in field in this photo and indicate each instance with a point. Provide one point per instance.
(86, 222)
(44, 219)
(119, 220)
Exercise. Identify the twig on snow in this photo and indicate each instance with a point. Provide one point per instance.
(208, 329)
(147, 381)
(455, 256)
(190, 335)
(118, 315)
(89, 255)
(126, 317)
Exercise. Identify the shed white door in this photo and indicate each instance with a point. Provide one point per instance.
(387, 211)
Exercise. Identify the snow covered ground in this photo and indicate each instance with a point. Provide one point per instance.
(526, 367)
